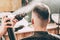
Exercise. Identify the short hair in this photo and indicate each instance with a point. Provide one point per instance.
(42, 11)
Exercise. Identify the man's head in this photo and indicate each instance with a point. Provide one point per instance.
(40, 15)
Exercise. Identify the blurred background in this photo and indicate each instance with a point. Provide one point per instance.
(54, 5)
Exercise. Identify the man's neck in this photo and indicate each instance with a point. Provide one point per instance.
(40, 29)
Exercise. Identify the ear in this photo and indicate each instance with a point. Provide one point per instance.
(48, 21)
(32, 21)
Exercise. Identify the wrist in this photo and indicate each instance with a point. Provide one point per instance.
(2, 31)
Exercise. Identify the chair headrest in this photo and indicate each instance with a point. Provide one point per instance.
(56, 17)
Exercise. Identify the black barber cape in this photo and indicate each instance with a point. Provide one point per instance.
(40, 35)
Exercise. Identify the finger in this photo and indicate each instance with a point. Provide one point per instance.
(4, 17)
(8, 27)
(9, 23)
(5, 27)
(15, 20)
(6, 20)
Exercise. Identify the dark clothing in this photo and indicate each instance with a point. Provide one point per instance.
(41, 36)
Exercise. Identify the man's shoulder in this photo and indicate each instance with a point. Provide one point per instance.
(29, 38)
(54, 35)
(47, 37)
(40, 38)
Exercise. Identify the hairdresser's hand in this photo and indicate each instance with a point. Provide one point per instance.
(5, 26)
(19, 17)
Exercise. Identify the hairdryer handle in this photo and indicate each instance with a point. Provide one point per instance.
(11, 34)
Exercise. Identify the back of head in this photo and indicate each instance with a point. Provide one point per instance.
(42, 11)
(41, 14)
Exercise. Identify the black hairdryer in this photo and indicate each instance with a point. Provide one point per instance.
(10, 32)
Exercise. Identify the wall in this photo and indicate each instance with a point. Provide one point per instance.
(9, 5)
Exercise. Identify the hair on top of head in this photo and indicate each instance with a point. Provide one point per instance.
(42, 10)
(42, 5)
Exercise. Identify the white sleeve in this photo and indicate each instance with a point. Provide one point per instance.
(21, 22)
